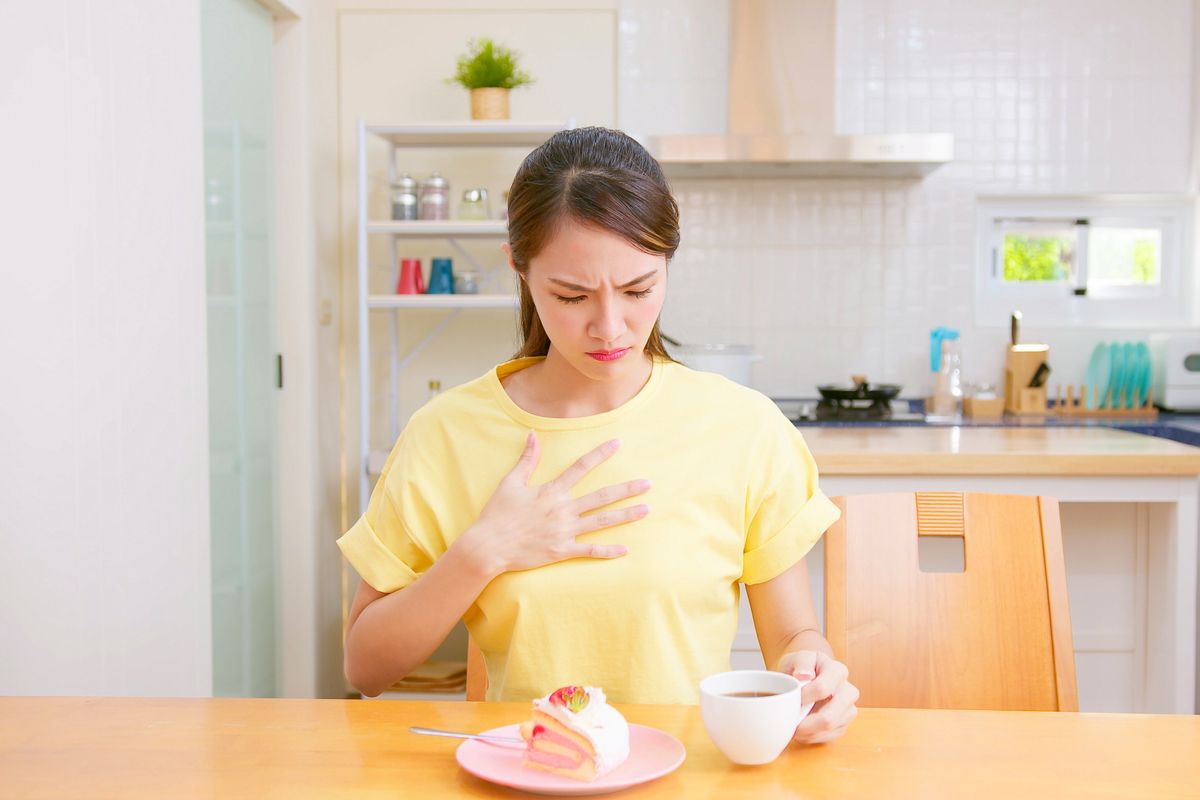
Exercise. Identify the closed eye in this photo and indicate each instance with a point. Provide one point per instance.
(580, 298)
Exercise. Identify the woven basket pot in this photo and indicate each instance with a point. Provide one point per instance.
(489, 103)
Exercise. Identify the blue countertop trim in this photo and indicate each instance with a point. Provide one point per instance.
(1183, 428)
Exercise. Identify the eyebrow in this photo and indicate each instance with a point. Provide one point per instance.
(579, 288)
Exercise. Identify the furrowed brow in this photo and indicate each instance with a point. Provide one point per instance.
(579, 288)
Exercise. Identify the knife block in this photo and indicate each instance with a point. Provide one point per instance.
(1020, 365)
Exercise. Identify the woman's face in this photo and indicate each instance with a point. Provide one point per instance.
(598, 297)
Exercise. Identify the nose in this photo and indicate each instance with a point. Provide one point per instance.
(607, 324)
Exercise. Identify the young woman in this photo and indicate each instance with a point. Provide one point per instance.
(590, 507)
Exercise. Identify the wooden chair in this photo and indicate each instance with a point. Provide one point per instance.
(477, 679)
(995, 636)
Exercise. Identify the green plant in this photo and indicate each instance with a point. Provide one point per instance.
(486, 64)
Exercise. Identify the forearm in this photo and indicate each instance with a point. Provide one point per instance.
(804, 639)
(397, 633)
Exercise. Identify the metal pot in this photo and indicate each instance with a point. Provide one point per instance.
(731, 360)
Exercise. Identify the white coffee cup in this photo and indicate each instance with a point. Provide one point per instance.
(751, 730)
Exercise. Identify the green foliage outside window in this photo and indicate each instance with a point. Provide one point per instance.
(1145, 261)
(1036, 258)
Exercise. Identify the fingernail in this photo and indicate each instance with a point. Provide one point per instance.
(622, 550)
(805, 676)
(643, 485)
(613, 444)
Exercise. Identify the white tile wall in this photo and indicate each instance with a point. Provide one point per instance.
(832, 277)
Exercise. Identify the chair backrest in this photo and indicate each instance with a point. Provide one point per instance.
(477, 679)
(995, 636)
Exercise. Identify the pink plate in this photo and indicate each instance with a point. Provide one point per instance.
(652, 754)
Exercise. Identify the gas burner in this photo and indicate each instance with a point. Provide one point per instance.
(851, 409)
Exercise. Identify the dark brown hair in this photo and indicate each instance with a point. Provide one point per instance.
(595, 176)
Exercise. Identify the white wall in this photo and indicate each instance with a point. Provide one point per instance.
(104, 580)
(833, 277)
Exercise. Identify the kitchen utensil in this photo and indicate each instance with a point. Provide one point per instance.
(945, 361)
(474, 205)
(441, 276)
(1144, 375)
(404, 198)
(1039, 377)
(435, 198)
(1133, 373)
(734, 361)
(1116, 376)
(1016, 321)
(861, 390)
(1020, 365)
(752, 729)
(411, 280)
(652, 754)
(1175, 370)
(1096, 380)
(466, 282)
(489, 736)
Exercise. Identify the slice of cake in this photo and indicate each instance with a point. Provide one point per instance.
(575, 733)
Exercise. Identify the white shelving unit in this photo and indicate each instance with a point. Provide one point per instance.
(486, 135)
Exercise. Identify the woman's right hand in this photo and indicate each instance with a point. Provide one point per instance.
(525, 526)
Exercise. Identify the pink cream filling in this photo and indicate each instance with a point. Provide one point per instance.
(553, 759)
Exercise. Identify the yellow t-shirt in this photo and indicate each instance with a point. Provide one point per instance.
(733, 498)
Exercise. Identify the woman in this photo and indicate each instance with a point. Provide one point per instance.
(642, 493)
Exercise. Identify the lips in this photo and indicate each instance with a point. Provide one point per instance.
(608, 355)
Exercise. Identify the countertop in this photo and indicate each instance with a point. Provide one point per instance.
(918, 449)
(239, 748)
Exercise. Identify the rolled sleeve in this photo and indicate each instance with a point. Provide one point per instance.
(371, 558)
(383, 545)
(792, 542)
(786, 511)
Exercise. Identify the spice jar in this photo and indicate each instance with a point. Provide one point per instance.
(466, 282)
(474, 205)
(435, 198)
(404, 197)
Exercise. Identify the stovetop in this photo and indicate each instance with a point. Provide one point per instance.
(808, 410)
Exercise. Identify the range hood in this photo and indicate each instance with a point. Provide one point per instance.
(781, 108)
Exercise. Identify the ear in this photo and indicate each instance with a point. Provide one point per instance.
(507, 248)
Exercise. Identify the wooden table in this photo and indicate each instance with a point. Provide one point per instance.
(168, 748)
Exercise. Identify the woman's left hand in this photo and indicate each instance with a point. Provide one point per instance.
(832, 695)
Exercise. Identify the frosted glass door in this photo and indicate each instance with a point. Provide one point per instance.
(241, 344)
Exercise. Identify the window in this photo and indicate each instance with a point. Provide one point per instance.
(1102, 261)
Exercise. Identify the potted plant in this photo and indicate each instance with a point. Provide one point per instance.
(489, 71)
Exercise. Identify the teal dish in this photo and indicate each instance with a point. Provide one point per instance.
(1096, 380)
(1116, 375)
(1145, 374)
(1133, 373)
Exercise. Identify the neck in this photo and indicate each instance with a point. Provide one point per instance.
(574, 394)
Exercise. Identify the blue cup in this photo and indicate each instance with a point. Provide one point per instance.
(441, 276)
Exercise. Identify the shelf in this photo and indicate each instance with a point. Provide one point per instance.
(468, 134)
(442, 301)
(452, 228)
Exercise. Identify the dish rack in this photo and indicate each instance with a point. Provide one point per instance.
(1077, 406)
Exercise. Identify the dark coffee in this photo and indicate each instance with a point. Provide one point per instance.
(751, 694)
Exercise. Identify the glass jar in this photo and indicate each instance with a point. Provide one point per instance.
(404, 197)
(466, 282)
(435, 198)
(474, 205)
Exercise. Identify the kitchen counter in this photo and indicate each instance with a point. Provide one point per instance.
(919, 449)
(1130, 510)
